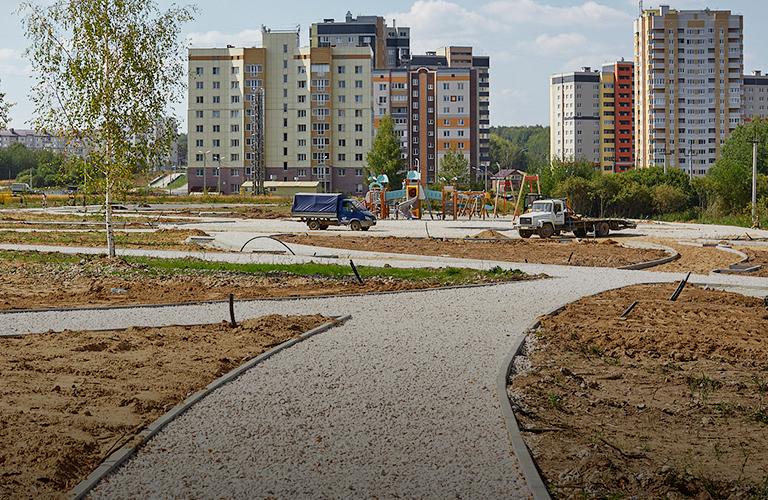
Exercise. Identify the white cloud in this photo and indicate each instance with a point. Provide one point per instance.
(246, 38)
(528, 12)
(557, 46)
(438, 23)
(12, 63)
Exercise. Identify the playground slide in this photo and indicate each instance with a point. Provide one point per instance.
(405, 207)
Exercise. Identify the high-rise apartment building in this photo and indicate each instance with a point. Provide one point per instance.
(755, 96)
(305, 111)
(439, 101)
(390, 44)
(575, 116)
(689, 86)
(616, 117)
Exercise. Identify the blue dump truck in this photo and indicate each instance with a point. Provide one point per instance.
(320, 210)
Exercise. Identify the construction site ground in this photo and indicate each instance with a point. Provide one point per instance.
(669, 401)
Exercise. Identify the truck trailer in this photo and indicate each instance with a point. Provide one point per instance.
(321, 210)
(550, 217)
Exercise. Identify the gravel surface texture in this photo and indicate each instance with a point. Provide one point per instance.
(398, 402)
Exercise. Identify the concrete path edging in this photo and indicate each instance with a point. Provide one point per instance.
(117, 458)
(673, 255)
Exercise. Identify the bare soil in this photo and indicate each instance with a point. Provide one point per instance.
(590, 253)
(670, 401)
(99, 281)
(70, 399)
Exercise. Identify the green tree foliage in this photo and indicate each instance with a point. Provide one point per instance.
(505, 155)
(385, 156)
(106, 73)
(5, 109)
(668, 199)
(534, 139)
(732, 174)
(454, 165)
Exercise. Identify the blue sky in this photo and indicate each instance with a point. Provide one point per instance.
(528, 40)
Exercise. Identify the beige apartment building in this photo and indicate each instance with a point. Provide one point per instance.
(439, 101)
(574, 118)
(280, 112)
(689, 86)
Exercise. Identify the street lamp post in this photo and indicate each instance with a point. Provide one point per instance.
(205, 158)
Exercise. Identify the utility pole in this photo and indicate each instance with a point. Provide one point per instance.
(754, 183)
(205, 158)
(218, 170)
(257, 142)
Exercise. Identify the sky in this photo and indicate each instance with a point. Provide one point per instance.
(527, 40)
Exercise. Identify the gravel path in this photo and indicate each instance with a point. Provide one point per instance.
(400, 401)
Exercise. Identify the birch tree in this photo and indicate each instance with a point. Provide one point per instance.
(4, 111)
(106, 73)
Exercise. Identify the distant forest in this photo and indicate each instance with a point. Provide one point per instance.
(519, 147)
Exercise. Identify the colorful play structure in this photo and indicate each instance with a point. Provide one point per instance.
(413, 199)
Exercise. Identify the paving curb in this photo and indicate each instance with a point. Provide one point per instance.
(522, 452)
(673, 255)
(117, 458)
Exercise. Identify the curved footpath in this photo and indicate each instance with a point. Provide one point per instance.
(400, 401)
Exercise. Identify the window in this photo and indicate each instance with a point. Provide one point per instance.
(302, 84)
(342, 143)
(199, 99)
(301, 128)
(234, 128)
(234, 157)
(446, 133)
(199, 85)
(215, 157)
(216, 128)
(301, 113)
(234, 143)
(235, 113)
(235, 84)
(358, 84)
(199, 143)
(199, 128)
(358, 156)
(199, 171)
(342, 127)
(446, 86)
(216, 143)
(342, 172)
(358, 69)
(341, 70)
(301, 157)
(342, 84)
(460, 145)
(358, 113)
(342, 98)
(198, 71)
(460, 86)
(216, 71)
(301, 143)
(302, 171)
(446, 110)
(342, 157)
(358, 172)
(198, 114)
(359, 143)
(358, 98)
(216, 85)
(216, 99)
(382, 86)
(358, 127)
(235, 99)
(235, 70)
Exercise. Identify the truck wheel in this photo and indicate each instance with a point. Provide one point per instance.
(546, 231)
(365, 228)
(525, 233)
(313, 224)
(580, 232)
(602, 229)
(355, 225)
(323, 227)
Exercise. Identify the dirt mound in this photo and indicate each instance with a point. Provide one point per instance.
(489, 234)
(68, 400)
(668, 402)
(183, 233)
